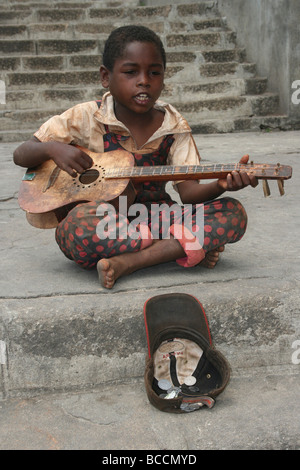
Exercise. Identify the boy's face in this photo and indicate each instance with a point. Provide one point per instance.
(137, 78)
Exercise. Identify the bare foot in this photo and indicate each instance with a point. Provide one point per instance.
(107, 272)
(110, 269)
(212, 257)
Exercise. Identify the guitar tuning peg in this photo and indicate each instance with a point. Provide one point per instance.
(280, 187)
(266, 188)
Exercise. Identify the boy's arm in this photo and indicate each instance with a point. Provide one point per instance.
(69, 158)
(191, 192)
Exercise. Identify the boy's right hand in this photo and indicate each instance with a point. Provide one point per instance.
(70, 158)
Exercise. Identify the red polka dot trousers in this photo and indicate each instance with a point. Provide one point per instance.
(94, 230)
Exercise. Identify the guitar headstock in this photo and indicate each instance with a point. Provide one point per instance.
(271, 172)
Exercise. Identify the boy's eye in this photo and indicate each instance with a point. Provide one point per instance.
(152, 72)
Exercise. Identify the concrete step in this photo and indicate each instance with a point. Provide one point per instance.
(69, 60)
(182, 73)
(30, 98)
(211, 56)
(32, 63)
(50, 46)
(64, 97)
(26, 4)
(93, 11)
(177, 60)
(29, 80)
(268, 123)
(219, 125)
(208, 41)
(175, 73)
(194, 111)
(77, 342)
(229, 106)
(219, 87)
(86, 29)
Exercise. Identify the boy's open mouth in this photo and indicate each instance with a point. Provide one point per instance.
(142, 98)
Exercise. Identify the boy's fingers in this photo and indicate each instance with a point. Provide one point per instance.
(79, 164)
(71, 171)
(82, 164)
(253, 181)
(87, 160)
(235, 180)
(244, 159)
(245, 178)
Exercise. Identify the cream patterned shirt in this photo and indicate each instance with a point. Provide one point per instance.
(84, 125)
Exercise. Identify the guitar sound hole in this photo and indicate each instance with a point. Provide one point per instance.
(89, 176)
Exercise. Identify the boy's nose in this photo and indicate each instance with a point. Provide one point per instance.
(143, 79)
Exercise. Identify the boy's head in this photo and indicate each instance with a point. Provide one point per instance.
(121, 37)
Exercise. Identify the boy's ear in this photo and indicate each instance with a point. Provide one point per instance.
(104, 75)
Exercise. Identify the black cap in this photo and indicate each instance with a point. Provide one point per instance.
(183, 370)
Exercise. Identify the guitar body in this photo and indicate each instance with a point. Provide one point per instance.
(46, 189)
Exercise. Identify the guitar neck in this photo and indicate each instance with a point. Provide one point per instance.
(196, 172)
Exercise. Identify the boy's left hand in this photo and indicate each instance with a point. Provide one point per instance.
(238, 179)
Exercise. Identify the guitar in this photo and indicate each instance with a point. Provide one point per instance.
(47, 192)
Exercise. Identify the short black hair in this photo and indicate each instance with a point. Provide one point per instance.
(119, 38)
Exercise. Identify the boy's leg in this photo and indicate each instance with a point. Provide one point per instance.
(161, 251)
(204, 229)
(79, 234)
(225, 221)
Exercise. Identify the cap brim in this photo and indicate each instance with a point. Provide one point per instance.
(175, 315)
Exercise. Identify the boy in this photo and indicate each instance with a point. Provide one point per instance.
(131, 117)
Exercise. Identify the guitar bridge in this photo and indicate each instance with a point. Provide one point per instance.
(52, 179)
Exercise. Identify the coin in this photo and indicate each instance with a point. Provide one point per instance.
(189, 407)
(190, 380)
(164, 384)
(174, 389)
(172, 394)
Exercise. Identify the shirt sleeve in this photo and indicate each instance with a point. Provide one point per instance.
(183, 152)
(73, 126)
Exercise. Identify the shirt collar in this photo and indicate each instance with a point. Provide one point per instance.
(173, 122)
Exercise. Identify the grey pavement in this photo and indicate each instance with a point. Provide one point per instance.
(72, 353)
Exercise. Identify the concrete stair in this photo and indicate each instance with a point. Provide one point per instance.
(50, 56)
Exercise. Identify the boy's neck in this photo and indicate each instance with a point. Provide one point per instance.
(141, 126)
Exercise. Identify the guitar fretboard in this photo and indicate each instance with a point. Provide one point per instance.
(170, 172)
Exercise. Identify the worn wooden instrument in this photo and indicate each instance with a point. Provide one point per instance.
(46, 189)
